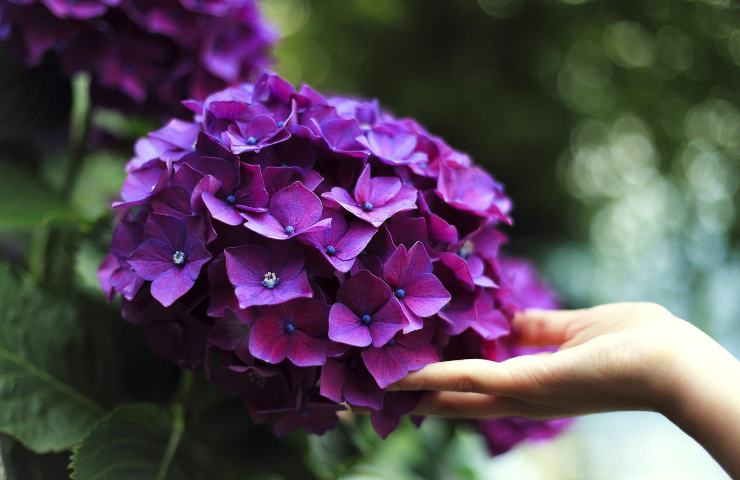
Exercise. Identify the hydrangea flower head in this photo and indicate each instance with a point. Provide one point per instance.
(143, 55)
(309, 251)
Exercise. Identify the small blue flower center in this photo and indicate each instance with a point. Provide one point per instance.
(231, 199)
(289, 327)
(179, 257)
(270, 281)
(280, 124)
(466, 250)
(367, 206)
(366, 319)
(400, 293)
(290, 229)
(331, 250)
(252, 141)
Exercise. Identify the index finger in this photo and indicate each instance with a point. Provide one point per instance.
(472, 375)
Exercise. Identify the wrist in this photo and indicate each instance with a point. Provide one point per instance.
(701, 375)
(691, 364)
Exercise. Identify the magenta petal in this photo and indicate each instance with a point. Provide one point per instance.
(306, 351)
(384, 365)
(333, 375)
(459, 268)
(267, 340)
(425, 295)
(414, 322)
(419, 261)
(394, 269)
(382, 190)
(386, 322)
(354, 241)
(346, 327)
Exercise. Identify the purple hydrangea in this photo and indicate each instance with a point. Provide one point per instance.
(328, 248)
(143, 55)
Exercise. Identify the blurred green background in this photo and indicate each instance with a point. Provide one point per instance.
(615, 127)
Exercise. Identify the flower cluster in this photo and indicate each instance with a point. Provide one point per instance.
(147, 54)
(308, 252)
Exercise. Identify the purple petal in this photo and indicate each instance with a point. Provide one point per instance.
(333, 376)
(221, 210)
(170, 230)
(247, 264)
(346, 327)
(296, 206)
(231, 334)
(251, 191)
(361, 390)
(152, 259)
(277, 178)
(395, 405)
(171, 285)
(364, 293)
(256, 294)
(355, 240)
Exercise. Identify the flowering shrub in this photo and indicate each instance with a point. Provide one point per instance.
(153, 53)
(309, 251)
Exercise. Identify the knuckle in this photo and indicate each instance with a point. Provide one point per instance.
(466, 382)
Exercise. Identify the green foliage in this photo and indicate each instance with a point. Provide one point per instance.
(336, 452)
(142, 441)
(42, 403)
(26, 202)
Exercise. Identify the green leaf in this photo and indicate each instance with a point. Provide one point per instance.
(42, 403)
(99, 184)
(146, 441)
(335, 453)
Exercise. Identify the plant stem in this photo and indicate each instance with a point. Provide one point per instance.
(184, 388)
(79, 127)
(55, 246)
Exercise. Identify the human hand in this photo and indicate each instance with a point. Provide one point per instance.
(624, 356)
